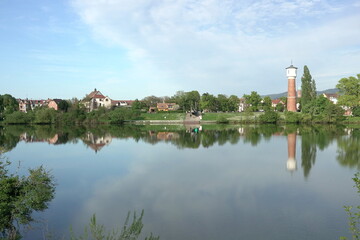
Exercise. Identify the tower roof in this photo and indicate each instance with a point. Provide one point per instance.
(291, 66)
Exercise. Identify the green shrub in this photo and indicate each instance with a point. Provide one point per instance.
(18, 118)
(292, 117)
(269, 117)
(222, 120)
(356, 111)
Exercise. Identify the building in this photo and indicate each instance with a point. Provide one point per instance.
(242, 105)
(95, 100)
(291, 97)
(275, 102)
(26, 105)
(54, 103)
(122, 103)
(333, 97)
(167, 107)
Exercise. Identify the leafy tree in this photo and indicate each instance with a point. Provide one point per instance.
(122, 114)
(223, 102)
(151, 101)
(208, 102)
(308, 88)
(193, 100)
(350, 91)
(138, 105)
(354, 215)
(316, 106)
(8, 104)
(267, 104)
(356, 111)
(45, 116)
(63, 105)
(233, 104)
(280, 107)
(253, 100)
(20, 196)
(292, 117)
(269, 117)
(19, 118)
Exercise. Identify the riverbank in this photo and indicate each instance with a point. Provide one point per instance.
(130, 117)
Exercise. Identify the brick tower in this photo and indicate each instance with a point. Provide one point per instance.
(291, 98)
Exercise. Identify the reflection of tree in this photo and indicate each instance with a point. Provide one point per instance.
(308, 151)
(349, 150)
(313, 138)
(8, 140)
(20, 196)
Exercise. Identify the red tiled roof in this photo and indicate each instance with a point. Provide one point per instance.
(276, 101)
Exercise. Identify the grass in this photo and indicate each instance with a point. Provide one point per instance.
(231, 116)
(163, 116)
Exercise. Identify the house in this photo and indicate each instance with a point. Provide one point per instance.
(96, 99)
(26, 105)
(53, 103)
(275, 102)
(242, 104)
(333, 97)
(167, 107)
(122, 103)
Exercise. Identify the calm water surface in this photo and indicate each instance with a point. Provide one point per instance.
(234, 182)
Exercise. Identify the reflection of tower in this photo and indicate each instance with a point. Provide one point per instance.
(291, 98)
(291, 162)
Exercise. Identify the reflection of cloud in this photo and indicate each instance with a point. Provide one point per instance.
(217, 193)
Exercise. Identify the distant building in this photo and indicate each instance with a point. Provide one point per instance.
(333, 97)
(26, 105)
(122, 103)
(291, 97)
(275, 102)
(54, 103)
(242, 105)
(95, 100)
(167, 107)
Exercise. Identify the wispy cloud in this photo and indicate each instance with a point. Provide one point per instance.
(224, 45)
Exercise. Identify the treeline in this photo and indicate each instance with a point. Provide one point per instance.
(193, 101)
(75, 115)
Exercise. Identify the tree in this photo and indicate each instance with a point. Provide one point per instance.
(267, 104)
(63, 105)
(269, 117)
(350, 91)
(280, 107)
(151, 101)
(316, 106)
(223, 103)
(45, 116)
(8, 104)
(253, 100)
(138, 105)
(208, 102)
(233, 104)
(192, 100)
(20, 196)
(308, 88)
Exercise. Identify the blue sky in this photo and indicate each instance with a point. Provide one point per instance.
(133, 49)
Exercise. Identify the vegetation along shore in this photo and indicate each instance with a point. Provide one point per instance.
(95, 108)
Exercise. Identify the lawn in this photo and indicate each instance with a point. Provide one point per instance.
(163, 116)
(232, 116)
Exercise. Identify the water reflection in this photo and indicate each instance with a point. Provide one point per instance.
(291, 162)
(312, 138)
(217, 182)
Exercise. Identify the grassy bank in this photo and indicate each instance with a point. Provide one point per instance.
(162, 116)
